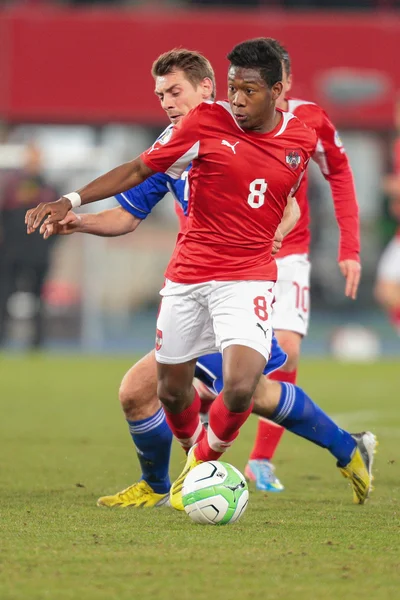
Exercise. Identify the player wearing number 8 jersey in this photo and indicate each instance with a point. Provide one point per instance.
(291, 311)
(227, 304)
(231, 225)
(239, 182)
(230, 229)
(198, 309)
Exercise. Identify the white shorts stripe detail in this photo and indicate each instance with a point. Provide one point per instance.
(210, 373)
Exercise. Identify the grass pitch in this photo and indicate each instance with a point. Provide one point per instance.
(64, 443)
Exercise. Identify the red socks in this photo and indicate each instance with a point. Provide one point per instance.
(186, 426)
(285, 376)
(267, 439)
(268, 433)
(223, 429)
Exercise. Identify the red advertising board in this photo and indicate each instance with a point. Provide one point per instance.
(65, 65)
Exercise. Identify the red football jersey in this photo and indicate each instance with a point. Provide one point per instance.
(181, 216)
(239, 183)
(332, 160)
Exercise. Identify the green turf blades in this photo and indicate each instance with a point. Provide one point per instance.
(64, 443)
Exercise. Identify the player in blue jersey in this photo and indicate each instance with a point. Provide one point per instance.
(180, 89)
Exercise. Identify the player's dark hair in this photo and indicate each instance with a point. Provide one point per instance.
(258, 54)
(195, 66)
(284, 54)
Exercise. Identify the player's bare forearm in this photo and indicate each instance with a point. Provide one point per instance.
(109, 223)
(290, 217)
(118, 180)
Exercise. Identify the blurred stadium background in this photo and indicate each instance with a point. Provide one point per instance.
(75, 80)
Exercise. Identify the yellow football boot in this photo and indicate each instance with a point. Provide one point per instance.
(175, 493)
(359, 469)
(138, 495)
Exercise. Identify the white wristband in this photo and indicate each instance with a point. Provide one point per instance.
(74, 198)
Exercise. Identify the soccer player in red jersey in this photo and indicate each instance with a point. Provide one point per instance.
(246, 159)
(183, 79)
(291, 310)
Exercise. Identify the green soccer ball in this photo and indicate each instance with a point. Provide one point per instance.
(215, 493)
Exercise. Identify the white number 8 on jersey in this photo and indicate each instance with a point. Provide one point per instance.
(257, 188)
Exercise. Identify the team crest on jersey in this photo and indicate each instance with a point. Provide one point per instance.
(165, 137)
(293, 158)
(338, 141)
(158, 339)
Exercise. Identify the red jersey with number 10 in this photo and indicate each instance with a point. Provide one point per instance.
(239, 184)
(332, 160)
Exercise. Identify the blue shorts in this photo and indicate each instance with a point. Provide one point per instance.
(209, 367)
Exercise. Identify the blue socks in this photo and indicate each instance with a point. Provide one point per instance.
(153, 439)
(300, 415)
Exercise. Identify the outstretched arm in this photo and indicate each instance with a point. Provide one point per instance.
(170, 157)
(107, 223)
(136, 204)
(118, 180)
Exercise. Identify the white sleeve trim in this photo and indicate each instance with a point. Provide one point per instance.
(131, 204)
(176, 170)
(294, 103)
(286, 117)
(319, 157)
